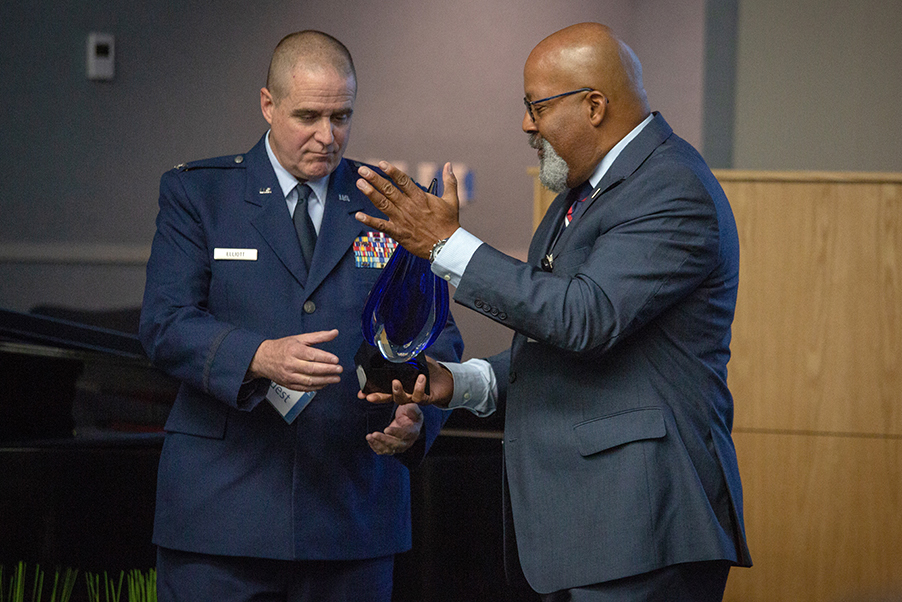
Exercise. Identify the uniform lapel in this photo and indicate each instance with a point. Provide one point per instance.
(339, 227)
(271, 217)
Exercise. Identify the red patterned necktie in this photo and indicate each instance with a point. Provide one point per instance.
(581, 195)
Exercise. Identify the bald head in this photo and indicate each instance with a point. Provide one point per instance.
(590, 55)
(584, 94)
(309, 50)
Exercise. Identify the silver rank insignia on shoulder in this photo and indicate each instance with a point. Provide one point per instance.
(266, 190)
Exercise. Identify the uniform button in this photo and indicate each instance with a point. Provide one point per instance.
(512, 377)
(309, 307)
(239, 159)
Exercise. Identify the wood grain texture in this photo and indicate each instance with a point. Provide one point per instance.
(822, 518)
(817, 339)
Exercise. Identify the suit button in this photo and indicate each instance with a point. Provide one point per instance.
(512, 377)
(494, 311)
(502, 316)
(309, 307)
(478, 304)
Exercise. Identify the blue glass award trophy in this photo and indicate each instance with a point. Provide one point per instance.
(405, 312)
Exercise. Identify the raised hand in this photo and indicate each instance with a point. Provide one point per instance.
(416, 219)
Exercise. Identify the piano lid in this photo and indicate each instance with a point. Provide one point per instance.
(56, 332)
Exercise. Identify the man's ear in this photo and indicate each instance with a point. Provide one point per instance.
(598, 104)
(267, 103)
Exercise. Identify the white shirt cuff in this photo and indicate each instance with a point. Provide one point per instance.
(475, 387)
(452, 260)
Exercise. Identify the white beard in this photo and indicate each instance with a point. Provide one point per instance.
(553, 170)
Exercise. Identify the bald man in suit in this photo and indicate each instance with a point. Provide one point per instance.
(621, 476)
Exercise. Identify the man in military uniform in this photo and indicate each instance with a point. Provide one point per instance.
(254, 298)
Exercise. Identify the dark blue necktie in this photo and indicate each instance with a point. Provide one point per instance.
(303, 225)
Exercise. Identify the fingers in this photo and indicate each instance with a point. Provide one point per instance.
(307, 382)
(382, 193)
(450, 194)
(294, 363)
(305, 349)
(401, 434)
(378, 398)
(373, 222)
(320, 336)
(401, 180)
(385, 445)
(417, 396)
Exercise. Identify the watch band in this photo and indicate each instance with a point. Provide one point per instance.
(436, 248)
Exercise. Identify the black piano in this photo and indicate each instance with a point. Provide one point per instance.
(81, 418)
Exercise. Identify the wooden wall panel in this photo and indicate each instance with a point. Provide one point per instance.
(817, 340)
(822, 518)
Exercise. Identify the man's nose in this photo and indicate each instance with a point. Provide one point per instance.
(529, 126)
(324, 132)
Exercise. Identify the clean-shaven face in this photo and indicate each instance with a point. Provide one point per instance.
(311, 124)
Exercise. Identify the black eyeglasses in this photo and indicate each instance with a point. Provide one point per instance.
(529, 104)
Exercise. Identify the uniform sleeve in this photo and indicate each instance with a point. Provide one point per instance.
(178, 332)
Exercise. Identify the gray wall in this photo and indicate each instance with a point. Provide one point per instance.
(438, 81)
(818, 85)
(755, 84)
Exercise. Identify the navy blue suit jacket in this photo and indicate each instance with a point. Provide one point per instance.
(234, 477)
(617, 444)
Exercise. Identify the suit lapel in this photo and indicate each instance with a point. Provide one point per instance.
(547, 230)
(270, 216)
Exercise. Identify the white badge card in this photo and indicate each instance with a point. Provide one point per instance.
(288, 402)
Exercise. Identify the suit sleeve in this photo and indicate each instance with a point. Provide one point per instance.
(179, 333)
(613, 277)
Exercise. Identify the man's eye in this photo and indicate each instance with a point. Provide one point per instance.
(341, 118)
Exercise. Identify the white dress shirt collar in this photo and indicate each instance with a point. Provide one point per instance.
(287, 181)
(609, 158)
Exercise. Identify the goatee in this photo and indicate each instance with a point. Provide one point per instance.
(553, 170)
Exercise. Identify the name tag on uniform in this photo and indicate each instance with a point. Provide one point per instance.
(235, 254)
(288, 402)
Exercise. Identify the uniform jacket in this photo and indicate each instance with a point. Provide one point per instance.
(618, 448)
(235, 478)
